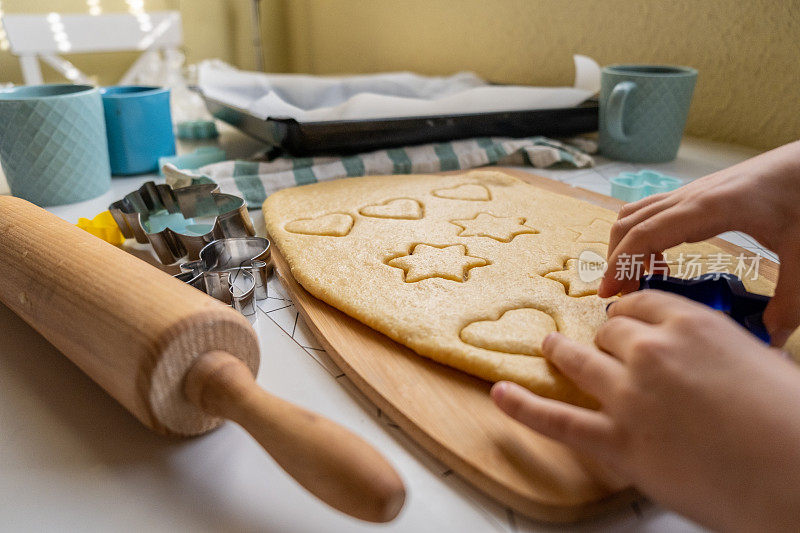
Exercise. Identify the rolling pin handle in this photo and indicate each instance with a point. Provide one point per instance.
(329, 461)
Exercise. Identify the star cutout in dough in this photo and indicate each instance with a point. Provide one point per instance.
(502, 229)
(598, 231)
(569, 278)
(426, 261)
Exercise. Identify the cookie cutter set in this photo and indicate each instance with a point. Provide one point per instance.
(211, 229)
(721, 291)
(233, 270)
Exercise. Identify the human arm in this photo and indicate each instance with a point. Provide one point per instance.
(760, 197)
(695, 412)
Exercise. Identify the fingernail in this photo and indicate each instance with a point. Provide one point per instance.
(604, 289)
(609, 306)
(780, 337)
(499, 390)
(548, 339)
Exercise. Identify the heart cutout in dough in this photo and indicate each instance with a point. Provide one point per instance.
(400, 208)
(328, 225)
(466, 191)
(517, 331)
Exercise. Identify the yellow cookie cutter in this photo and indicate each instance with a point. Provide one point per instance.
(103, 226)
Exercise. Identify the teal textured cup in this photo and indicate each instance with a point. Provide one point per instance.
(53, 143)
(138, 127)
(643, 110)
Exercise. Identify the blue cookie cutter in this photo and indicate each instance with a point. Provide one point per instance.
(205, 155)
(721, 291)
(632, 186)
(197, 129)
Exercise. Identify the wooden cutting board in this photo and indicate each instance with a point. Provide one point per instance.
(450, 414)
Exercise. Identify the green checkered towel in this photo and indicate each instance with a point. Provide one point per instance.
(255, 180)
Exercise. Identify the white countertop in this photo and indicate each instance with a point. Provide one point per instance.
(72, 459)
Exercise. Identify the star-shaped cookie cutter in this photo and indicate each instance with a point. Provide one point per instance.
(178, 223)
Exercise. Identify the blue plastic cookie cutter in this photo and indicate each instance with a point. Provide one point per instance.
(205, 155)
(197, 129)
(721, 291)
(632, 186)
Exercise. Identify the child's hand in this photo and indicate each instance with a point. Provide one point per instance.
(696, 412)
(760, 196)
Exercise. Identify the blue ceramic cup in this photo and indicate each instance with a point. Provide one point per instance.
(643, 110)
(139, 127)
(53, 143)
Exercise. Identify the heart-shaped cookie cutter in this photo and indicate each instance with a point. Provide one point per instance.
(233, 270)
(632, 186)
(178, 223)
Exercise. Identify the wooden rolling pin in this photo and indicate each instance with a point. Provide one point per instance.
(177, 359)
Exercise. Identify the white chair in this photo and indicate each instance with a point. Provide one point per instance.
(44, 36)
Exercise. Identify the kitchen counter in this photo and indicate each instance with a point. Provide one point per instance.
(72, 459)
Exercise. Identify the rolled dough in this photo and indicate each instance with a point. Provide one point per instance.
(470, 270)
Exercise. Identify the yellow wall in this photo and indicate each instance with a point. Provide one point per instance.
(747, 51)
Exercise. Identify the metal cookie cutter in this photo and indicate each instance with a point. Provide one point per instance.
(179, 222)
(233, 270)
(721, 291)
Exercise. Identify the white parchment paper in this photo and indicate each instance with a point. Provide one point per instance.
(397, 94)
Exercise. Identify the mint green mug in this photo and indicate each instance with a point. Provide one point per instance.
(53, 143)
(643, 110)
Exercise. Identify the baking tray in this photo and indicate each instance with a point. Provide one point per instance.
(355, 136)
